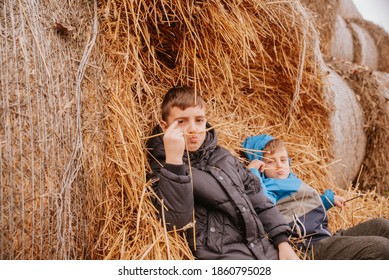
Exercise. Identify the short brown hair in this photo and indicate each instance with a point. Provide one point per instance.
(273, 145)
(182, 97)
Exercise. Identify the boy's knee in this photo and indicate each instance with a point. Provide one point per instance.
(376, 249)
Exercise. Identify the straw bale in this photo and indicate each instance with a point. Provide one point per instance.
(341, 44)
(381, 39)
(77, 109)
(349, 145)
(365, 49)
(347, 9)
(42, 196)
(371, 92)
(326, 20)
(383, 85)
(254, 62)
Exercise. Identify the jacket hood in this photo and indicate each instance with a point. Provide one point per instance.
(254, 146)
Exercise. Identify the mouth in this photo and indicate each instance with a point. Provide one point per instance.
(193, 139)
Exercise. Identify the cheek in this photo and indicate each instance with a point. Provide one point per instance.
(268, 173)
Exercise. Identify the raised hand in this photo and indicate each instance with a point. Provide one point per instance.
(257, 164)
(174, 143)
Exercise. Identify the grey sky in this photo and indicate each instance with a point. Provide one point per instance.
(376, 11)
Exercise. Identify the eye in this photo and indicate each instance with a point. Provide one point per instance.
(200, 120)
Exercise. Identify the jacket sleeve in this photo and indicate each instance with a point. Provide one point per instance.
(173, 187)
(175, 195)
(328, 199)
(271, 195)
(273, 221)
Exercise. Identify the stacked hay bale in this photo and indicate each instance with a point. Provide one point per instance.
(347, 123)
(344, 34)
(257, 76)
(375, 53)
(370, 89)
(77, 110)
(351, 38)
(254, 62)
(45, 206)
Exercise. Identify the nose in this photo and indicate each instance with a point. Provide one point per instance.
(191, 128)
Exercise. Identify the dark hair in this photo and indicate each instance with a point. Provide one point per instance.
(181, 97)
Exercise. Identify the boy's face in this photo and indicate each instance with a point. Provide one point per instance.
(192, 122)
(277, 164)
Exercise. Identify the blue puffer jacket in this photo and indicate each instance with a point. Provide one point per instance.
(301, 205)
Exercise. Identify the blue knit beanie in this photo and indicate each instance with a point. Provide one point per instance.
(256, 143)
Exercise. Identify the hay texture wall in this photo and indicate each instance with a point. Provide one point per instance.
(45, 49)
(347, 41)
(81, 87)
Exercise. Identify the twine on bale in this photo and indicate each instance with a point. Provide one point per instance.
(42, 208)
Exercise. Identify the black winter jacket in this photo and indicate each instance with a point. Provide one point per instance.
(233, 219)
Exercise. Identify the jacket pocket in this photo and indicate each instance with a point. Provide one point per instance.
(215, 232)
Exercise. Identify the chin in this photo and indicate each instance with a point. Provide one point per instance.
(193, 149)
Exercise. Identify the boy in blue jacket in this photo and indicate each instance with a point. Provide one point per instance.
(305, 210)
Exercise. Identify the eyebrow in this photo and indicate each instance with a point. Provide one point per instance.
(196, 117)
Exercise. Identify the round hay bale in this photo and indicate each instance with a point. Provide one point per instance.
(371, 90)
(325, 15)
(381, 39)
(365, 49)
(341, 44)
(347, 9)
(45, 202)
(255, 65)
(349, 143)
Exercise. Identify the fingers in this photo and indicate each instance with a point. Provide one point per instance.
(172, 127)
(174, 143)
(339, 201)
(257, 164)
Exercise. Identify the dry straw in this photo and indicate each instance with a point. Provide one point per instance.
(44, 55)
(254, 62)
(77, 108)
(327, 21)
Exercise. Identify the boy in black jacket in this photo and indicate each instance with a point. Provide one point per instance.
(200, 183)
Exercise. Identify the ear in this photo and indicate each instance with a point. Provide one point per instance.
(163, 125)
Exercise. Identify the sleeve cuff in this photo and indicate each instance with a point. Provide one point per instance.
(282, 237)
(178, 169)
(328, 199)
